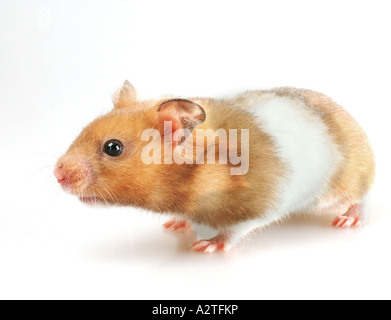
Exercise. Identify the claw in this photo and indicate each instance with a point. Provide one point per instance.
(350, 219)
(210, 246)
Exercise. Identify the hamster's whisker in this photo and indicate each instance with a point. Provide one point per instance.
(103, 198)
(47, 177)
(58, 192)
(50, 146)
(42, 168)
(44, 154)
(131, 243)
(110, 193)
(52, 184)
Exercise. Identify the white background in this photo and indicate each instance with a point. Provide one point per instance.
(60, 61)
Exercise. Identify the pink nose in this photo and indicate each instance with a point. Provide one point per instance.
(60, 174)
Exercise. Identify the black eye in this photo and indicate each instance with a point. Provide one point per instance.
(113, 148)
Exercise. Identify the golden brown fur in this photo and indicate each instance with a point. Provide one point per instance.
(202, 193)
(207, 193)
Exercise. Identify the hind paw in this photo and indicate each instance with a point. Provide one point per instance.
(350, 219)
(346, 221)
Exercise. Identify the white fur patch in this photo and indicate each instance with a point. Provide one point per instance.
(304, 145)
(366, 206)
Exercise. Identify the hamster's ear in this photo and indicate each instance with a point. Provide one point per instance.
(184, 114)
(125, 97)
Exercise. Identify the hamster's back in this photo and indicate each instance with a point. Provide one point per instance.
(327, 151)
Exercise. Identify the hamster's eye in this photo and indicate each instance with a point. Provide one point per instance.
(113, 148)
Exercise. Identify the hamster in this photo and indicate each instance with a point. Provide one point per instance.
(278, 153)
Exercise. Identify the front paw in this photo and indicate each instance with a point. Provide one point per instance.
(174, 225)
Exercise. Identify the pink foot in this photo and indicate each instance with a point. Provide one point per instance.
(174, 225)
(350, 219)
(212, 245)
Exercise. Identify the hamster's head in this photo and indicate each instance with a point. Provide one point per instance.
(105, 164)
